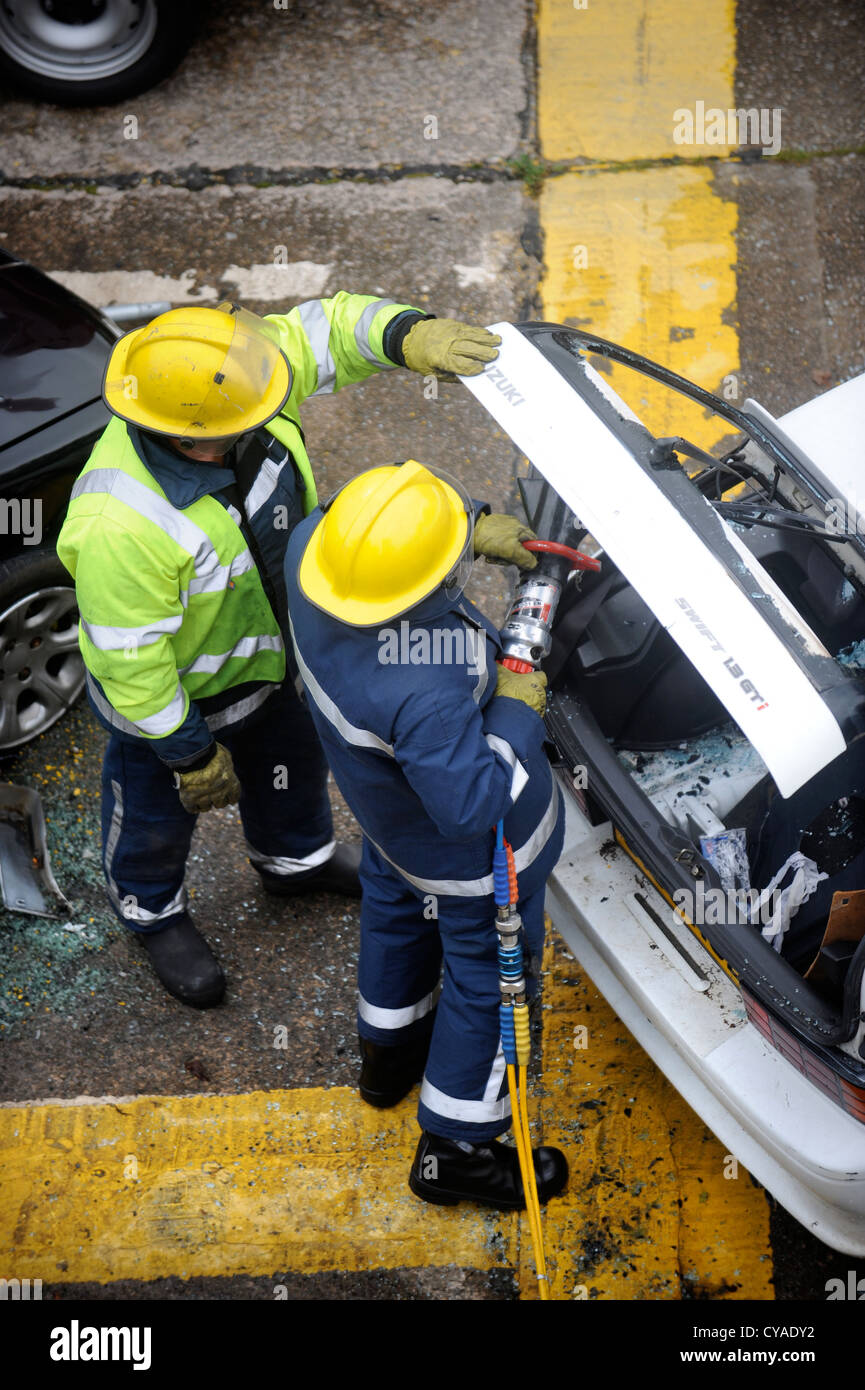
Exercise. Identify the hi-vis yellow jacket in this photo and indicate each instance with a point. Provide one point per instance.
(174, 611)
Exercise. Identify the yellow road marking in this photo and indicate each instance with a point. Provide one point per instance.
(253, 1184)
(648, 1212)
(648, 260)
(613, 73)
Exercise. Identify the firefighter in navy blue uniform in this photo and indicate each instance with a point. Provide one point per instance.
(430, 742)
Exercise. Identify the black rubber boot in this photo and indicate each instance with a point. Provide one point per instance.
(389, 1073)
(339, 874)
(185, 963)
(446, 1172)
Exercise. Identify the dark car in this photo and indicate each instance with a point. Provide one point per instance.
(92, 52)
(53, 351)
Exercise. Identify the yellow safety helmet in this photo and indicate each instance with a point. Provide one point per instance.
(388, 539)
(198, 374)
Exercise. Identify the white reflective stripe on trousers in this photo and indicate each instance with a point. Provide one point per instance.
(286, 866)
(397, 1018)
(127, 905)
(477, 1112)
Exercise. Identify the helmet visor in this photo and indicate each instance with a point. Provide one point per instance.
(458, 576)
(250, 386)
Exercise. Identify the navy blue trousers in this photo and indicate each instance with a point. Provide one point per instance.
(411, 941)
(284, 808)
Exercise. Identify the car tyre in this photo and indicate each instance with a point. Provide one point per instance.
(55, 53)
(41, 669)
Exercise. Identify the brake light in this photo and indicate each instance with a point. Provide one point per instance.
(849, 1096)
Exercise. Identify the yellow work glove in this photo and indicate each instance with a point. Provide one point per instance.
(210, 786)
(499, 537)
(530, 688)
(443, 347)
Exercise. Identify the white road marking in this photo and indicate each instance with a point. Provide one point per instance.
(296, 280)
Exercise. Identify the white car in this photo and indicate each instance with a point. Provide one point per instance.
(708, 708)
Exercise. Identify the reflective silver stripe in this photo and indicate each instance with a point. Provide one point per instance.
(483, 673)
(283, 864)
(232, 714)
(528, 853)
(478, 1112)
(480, 887)
(397, 1018)
(209, 573)
(110, 639)
(141, 914)
(115, 719)
(316, 326)
(167, 719)
(503, 748)
(361, 738)
(247, 647)
(234, 514)
(476, 645)
(497, 1072)
(114, 834)
(239, 710)
(97, 480)
(362, 329)
(163, 722)
(219, 579)
(264, 485)
(127, 905)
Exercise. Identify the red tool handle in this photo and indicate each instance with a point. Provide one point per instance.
(578, 560)
(522, 668)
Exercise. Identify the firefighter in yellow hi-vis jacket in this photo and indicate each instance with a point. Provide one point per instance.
(176, 536)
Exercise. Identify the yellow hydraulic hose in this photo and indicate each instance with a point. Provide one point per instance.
(516, 1038)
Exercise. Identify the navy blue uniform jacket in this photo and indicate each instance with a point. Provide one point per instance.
(426, 755)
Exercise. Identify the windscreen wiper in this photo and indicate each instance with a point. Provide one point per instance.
(760, 514)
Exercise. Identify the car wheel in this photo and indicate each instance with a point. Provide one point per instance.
(91, 52)
(41, 670)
